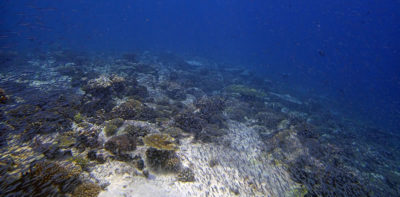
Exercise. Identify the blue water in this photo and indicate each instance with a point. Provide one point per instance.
(343, 53)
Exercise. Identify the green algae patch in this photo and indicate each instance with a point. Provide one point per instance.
(78, 118)
(80, 161)
(298, 191)
(65, 141)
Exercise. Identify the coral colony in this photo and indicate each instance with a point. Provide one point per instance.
(162, 125)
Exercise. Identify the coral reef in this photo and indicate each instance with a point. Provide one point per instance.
(299, 191)
(173, 131)
(186, 175)
(94, 156)
(246, 92)
(77, 74)
(78, 118)
(137, 92)
(99, 93)
(120, 144)
(165, 160)
(88, 139)
(87, 189)
(326, 181)
(80, 161)
(116, 121)
(65, 141)
(238, 113)
(131, 109)
(110, 129)
(46, 115)
(43, 179)
(268, 119)
(174, 91)
(189, 122)
(50, 131)
(112, 126)
(210, 133)
(206, 122)
(136, 131)
(160, 141)
(104, 85)
(209, 107)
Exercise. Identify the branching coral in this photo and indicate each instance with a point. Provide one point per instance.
(44, 178)
(160, 141)
(48, 170)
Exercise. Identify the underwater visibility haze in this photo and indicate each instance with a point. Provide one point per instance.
(199, 98)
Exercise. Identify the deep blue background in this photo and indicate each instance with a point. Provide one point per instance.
(344, 50)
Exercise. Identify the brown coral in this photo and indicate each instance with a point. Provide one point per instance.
(160, 141)
(165, 160)
(45, 178)
(48, 171)
(120, 144)
(87, 190)
(131, 109)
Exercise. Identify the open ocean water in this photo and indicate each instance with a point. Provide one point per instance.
(199, 98)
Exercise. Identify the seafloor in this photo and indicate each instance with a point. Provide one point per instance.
(143, 124)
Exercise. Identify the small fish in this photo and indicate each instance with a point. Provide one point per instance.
(321, 53)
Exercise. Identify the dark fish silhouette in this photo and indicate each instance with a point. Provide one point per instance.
(321, 53)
